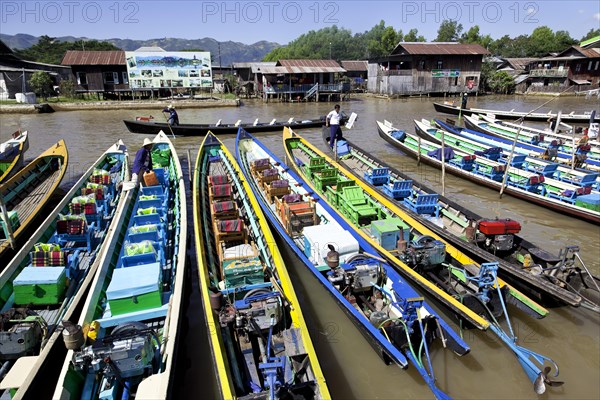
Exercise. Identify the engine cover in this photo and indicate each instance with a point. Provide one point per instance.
(21, 339)
(365, 276)
(262, 310)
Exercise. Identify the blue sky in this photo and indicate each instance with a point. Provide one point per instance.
(282, 20)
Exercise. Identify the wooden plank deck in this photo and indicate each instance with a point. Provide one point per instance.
(31, 203)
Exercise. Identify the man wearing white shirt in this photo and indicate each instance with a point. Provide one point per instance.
(333, 121)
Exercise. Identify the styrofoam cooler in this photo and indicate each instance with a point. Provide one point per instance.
(316, 239)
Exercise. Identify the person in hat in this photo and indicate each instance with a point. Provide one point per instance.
(173, 119)
(143, 161)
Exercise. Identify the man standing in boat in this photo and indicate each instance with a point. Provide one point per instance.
(333, 122)
(173, 117)
(142, 162)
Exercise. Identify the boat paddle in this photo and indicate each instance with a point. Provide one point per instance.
(168, 124)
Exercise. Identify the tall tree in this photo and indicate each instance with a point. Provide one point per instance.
(449, 31)
(51, 51)
(413, 36)
(591, 34)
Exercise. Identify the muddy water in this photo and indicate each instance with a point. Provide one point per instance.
(570, 336)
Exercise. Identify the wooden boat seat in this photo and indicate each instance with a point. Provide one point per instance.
(491, 153)
(534, 184)
(424, 204)
(268, 175)
(279, 187)
(354, 204)
(548, 170)
(229, 230)
(518, 160)
(224, 210)
(466, 163)
(326, 177)
(333, 192)
(495, 173)
(220, 192)
(315, 164)
(297, 214)
(585, 180)
(260, 165)
(568, 195)
(74, 231)
(218, 179)
(378, 176)
(398, 190)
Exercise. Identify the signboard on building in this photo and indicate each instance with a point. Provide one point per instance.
(445, 73)
(168, 69)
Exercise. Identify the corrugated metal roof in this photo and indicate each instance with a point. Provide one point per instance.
(589, 53)
(520, 63)
(252, 64)
(76, 57)
(299, 70)
(350, 65)
(309, 63)
(439, 48)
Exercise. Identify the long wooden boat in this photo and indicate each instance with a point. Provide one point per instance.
(538, 272)
(151, 127)
(543, 135)
(571, 117)
(522, 184)
(258, 336)
(41, 287)
(419, 253)
(521, 160)
(131, 316)
(592, 155)
(551, 153)
(28, 191)
(361, 281)
(12, 154)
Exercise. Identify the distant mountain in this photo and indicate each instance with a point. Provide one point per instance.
(230, 51)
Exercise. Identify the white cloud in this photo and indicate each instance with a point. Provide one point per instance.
(597, 16)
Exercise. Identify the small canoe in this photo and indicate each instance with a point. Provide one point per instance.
(12, 154)
(131, 317)
(554, 195)
(60, 259)
(571, 117)
(27, 192)
(309, 225)
(152, 127)
(530, 268)
(258, 336)
(467, 288)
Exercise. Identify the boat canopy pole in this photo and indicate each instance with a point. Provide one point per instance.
(443, 165)
(7, 224)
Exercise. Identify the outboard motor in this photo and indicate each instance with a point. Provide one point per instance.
(21, 333)
(497, 235)
(425, 253)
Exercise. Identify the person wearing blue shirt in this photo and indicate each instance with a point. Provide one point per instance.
(173, 117)
(142, 162)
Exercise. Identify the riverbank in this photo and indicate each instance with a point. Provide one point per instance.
(118, 105)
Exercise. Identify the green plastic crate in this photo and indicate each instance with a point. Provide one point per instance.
(240, 272)
(387, 233)
(135, 288)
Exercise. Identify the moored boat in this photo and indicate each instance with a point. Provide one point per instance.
(531, 268)
(131, 316)
(391, 315)
(258, 336)
(47, 280)
(420, 254)
(12, 154)
(28, 191)
(521, 160)
(535, 116)
(152, 127)
(558, 196)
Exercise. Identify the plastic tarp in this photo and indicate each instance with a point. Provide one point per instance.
(39, 276)
(134, 281)
(437, 153)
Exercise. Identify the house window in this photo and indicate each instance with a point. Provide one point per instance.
(422, 64)
(111, 77)
(125, 77)
(590, 65)
(81, 78)
(440, 64)
(597, 64)
(578, 67)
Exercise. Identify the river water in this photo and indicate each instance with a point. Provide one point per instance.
(571, 337)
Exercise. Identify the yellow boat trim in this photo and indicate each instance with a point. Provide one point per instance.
(482, 323)
(58, 149)
(297, 318)
(14, 163)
